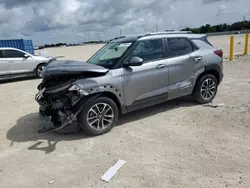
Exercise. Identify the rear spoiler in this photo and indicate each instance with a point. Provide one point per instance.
(203, 37)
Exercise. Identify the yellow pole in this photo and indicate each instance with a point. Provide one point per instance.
(231, 57)
(246, 44)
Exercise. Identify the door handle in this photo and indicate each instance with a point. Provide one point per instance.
(11, 61)
(198, 58)
(161, 66)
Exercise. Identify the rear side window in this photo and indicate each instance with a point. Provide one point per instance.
(206, 40)
(12, 54)
(1, 54)
(202, 44)
(149, 50)
(179, 47)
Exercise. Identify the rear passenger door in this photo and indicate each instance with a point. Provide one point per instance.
(4, 65)
(184, 60)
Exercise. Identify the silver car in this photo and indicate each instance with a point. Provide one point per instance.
(15, 62)
(127, 74)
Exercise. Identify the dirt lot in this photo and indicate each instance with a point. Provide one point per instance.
(223, 42)
(175, 144)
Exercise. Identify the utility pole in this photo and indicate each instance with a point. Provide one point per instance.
(156, 26)
(120, 32)
(98, 34)
(244, 18)
(181, 25)
(89, 37)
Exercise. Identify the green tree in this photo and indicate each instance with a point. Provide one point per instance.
(220, 28)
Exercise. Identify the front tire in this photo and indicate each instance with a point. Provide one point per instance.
(98, 116)
(39, 70)
(206, 89)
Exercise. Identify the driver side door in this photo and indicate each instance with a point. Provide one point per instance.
(147, 84)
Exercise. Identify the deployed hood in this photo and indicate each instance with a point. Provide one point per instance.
(71, 67)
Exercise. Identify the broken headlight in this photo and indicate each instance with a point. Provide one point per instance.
(76, 87)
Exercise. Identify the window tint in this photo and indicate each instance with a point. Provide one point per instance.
(115, 51)
(179, 47)
(202, 44)
(1, 54)
(110, 54)
(12, 54)
(149, 50)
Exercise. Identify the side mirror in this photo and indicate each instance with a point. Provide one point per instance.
(26, 56)
(134, 61)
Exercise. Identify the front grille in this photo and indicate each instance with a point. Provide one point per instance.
(56, 80)
(58, 88)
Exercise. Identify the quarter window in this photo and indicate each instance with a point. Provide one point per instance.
(149, 50)
(179, 47)
(12, 54)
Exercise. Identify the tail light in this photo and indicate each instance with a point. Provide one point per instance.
(219, 52)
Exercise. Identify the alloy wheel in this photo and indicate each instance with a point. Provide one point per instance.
(100, 116)
(40, 70)
(208, 89)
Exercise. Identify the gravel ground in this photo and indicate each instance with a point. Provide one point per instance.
(175, 144)
(223, 42)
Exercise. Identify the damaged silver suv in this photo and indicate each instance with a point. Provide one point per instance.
(127, 74)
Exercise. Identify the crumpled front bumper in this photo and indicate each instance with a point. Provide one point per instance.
(61, 112)
(66, 120)
(46, 122)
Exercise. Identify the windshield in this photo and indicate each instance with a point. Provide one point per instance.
(110, 54)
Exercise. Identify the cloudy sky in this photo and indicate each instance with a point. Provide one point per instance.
(49, 21)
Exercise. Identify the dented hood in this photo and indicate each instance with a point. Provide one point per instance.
(71, 67)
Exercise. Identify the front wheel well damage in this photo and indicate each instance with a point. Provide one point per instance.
(107, 94)
(113, 97)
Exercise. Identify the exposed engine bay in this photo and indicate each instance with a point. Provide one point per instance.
(60, 97)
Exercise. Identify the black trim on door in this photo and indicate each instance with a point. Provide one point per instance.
(165, 44)
(143, 103)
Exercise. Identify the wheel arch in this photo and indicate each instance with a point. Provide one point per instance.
(42, 63)
(211, 69)
(112, 96)
(107, 94)
(214, 70)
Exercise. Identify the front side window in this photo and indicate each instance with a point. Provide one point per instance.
(110, 54)
(179, 47)
(149, 50)
(12, 54)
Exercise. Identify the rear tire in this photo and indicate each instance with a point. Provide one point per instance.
(39, 70)
(98, 116)
(205, 89)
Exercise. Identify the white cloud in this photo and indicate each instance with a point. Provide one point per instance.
(48, 21)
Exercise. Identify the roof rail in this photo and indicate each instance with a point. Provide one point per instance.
(131, 35)
(152, 33)
(117, 38)
(168, 32)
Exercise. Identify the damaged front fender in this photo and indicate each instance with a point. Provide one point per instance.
(76, 87)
